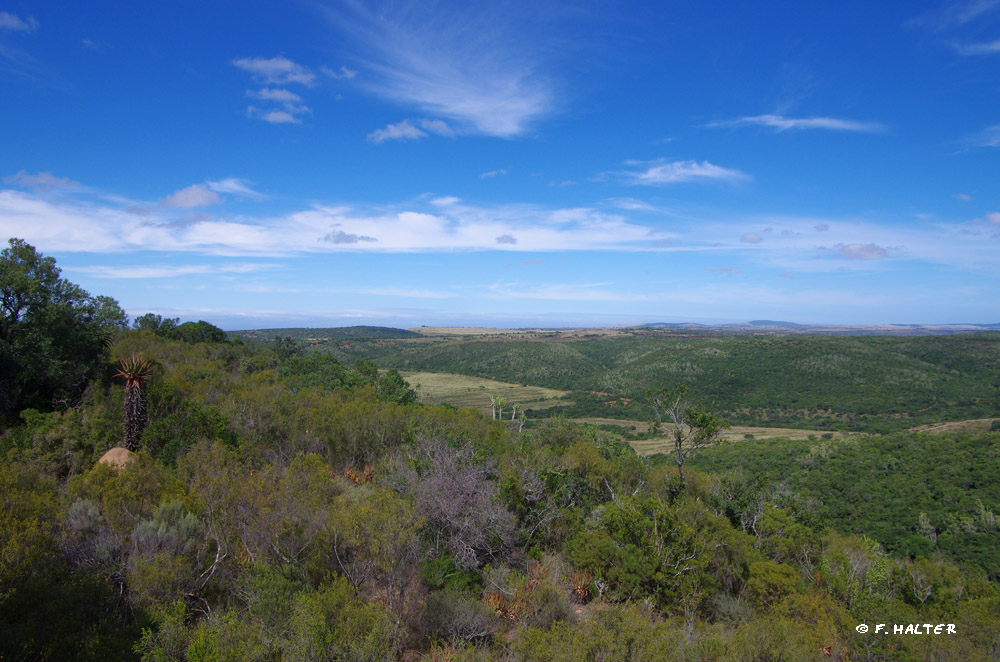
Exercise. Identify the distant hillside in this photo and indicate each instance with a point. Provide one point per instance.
(778, 327)
(320, 336)
(836, 382)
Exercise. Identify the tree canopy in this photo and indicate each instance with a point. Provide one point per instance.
(52, 332)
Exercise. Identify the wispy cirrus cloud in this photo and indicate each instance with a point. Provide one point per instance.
(988, 137)
(234, 186)
(661, 172)
(14, 23)
(168, 271)
(961, 25)
(983, 48)
(475, 65)
(781, 123)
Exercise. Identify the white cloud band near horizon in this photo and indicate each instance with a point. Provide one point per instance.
(74, 219)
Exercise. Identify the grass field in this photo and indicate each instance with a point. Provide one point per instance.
(465, 391)
(735, 433)
(974, 425)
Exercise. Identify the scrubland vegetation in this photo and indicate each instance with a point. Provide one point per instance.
(306, 506)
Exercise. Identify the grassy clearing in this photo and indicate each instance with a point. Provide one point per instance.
(465, 391)
(975, 425)
(734, 433)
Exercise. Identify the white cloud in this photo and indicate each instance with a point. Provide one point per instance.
(42, 181)
(663, 172)
(275, 71)
(171, 271)
(965, 197)
(274, 94)
(988, 137)
(993, 217)
(751, 238)
(15, 23)
(986, 48)
(507, 239)
(726, 269)
(233, 186)
(860, 251)
(565, 292)
(339, 74)
(407, 130)
(780, 123)
(341, 237)
(286, 115)
(197, 195)
(404, 130)
(475, 64)
(492, 173)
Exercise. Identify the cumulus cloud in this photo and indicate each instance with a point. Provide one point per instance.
(279, 104)
(673, 172)
(751, 238)
(860, 251)
(277, 116)
(407, 130)
(14, 23)
(341, 237)
(781, 123)
(197, 195)
(275, 71)
(274, 94)
(506, 239)
(339, 74)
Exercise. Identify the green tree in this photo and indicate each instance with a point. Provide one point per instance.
(52, 332)
(161, 326)
(200, 331)
(690, 427)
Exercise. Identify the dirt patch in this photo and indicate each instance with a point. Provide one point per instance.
(117, 457)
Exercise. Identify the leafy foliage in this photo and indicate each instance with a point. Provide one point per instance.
(52, 333)
(301, 505)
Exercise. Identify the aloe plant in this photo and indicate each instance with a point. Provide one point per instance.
(135, 370)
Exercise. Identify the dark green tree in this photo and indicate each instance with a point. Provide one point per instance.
(52, 332)
(200, 331)
(161, 326)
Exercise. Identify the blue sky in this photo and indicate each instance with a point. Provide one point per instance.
(510, 163)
